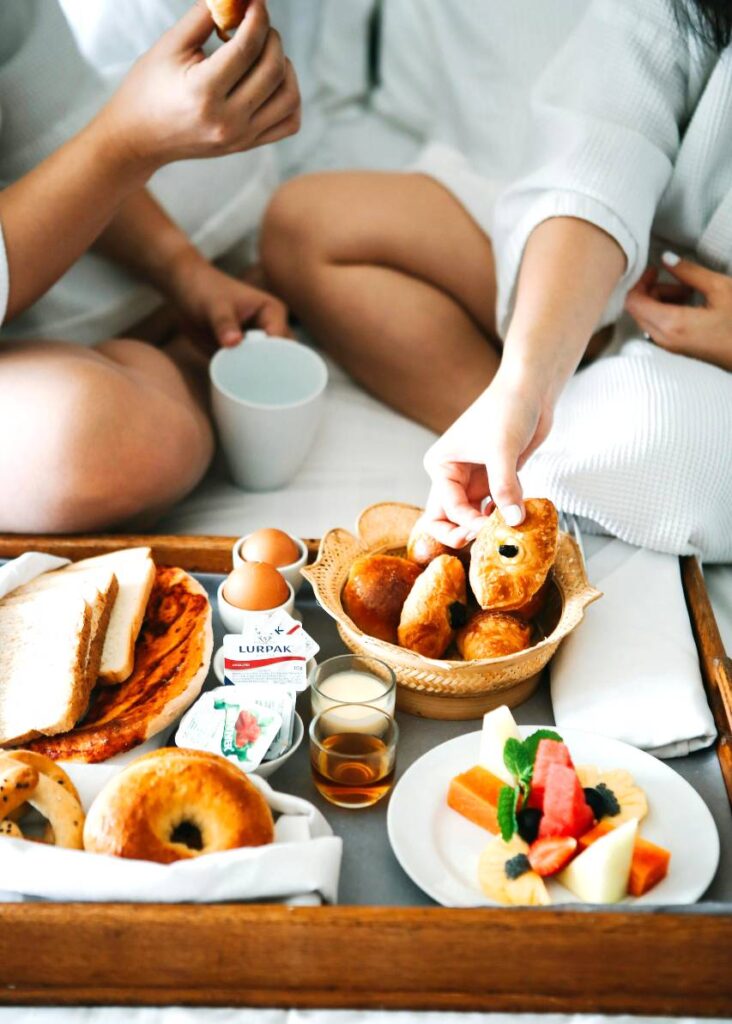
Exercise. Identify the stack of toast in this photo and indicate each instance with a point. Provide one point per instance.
(65, 633)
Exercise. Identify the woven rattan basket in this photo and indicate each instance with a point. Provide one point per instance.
(457, 690)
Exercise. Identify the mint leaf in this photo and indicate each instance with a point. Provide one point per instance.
(515, 758)
(531, 743)
(506, 812)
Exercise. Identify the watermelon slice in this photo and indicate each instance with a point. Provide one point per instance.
(548, 752)
(566, 812)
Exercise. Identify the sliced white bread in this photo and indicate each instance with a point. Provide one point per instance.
(44, 645)
(134, 570)
(99, 589)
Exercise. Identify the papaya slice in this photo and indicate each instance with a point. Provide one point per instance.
(474, 794)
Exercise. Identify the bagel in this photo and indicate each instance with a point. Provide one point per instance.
(227, 15)
(34, 779)
(509, 564)
(176, 804)
(493, 635)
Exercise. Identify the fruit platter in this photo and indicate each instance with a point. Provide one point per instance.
(514, 816)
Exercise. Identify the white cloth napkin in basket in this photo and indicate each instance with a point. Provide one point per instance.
(302, 865)
(631, 669)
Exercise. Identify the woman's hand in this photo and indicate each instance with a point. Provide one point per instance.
(478, 459)
(215, 309)
(177, 104)
(662, 311)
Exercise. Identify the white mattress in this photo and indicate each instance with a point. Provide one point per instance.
(364, 453)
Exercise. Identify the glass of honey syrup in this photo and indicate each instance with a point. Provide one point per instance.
(353, 754)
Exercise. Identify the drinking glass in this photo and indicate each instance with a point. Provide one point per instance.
(353, 754)
(352, 679)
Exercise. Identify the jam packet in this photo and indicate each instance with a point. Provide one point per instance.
(278, 699)
(227, 721)
(273, 651)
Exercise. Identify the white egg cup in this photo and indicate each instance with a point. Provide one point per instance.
(234, 618)
(291, 572)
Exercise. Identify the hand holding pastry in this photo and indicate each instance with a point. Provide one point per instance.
(478, 460)
(178, 104)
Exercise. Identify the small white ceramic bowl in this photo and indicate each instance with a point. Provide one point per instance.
(291, 572)
(234, 618)
(267, 768)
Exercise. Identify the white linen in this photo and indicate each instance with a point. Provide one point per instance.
(364, 453)
(631, 670)
(304, 860)
(626, 136)
(641, 446)
(22, 570)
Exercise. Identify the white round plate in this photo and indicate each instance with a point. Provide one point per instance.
(439, 849)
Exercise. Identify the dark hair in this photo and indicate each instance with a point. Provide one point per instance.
(710, 20)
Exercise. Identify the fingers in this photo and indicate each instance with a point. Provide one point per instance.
(458, 491)
(235, 59)
(283, 130)
(226, 327)
(273, 318)
(280, 105)
(672, 327)
(702, 280)
(504, 484)
(677, 294)
(191, 32)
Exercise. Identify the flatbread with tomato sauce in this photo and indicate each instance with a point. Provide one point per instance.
(172, 659)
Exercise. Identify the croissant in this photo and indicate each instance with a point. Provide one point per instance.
(375, 592)
(509, 564)
(435, 608)
(227, 14)
(493, 635)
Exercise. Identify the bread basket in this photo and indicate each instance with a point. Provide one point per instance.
(456, 690)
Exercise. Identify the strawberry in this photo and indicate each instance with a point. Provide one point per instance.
(548, 856)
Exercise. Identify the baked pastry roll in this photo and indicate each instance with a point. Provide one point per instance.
(227, 14)
(435, 608)
(422, 547)
(375, 592)
(493, 635)
(508, 564)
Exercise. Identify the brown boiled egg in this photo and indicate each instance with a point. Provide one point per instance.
(256, 587)
(271, 546)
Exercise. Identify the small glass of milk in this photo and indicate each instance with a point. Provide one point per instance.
(351, 684)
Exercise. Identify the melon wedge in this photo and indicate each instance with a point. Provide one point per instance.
(601, 873)
(498, 726)
(649, 865)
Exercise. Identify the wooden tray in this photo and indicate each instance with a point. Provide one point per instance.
(561, 960)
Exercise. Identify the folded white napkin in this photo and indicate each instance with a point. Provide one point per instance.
(24, 569)
(631, 669)
(301, 866)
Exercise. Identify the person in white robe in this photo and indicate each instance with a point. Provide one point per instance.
(100, 429)
(473, 315)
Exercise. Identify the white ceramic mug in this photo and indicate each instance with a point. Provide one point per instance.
(267, 397)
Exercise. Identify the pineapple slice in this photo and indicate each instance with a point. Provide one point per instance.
(528, 890)
(632, 799)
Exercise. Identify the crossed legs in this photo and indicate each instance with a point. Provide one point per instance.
(93, 438)
(395, 280)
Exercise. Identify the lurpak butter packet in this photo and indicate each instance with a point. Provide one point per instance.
(226, 721)
(274, 651)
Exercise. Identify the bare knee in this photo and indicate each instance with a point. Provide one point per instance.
(94, 450)
(295, 236)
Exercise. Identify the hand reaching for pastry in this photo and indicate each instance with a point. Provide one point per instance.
(215, 309)
(662, 311)
(478, 459)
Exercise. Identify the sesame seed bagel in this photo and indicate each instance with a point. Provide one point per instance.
(175, 804)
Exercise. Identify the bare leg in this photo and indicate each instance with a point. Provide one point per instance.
(95, 438)
(392, 276)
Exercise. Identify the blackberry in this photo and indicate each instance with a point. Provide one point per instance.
(602, 801)
(528, 819)
(517, 866)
